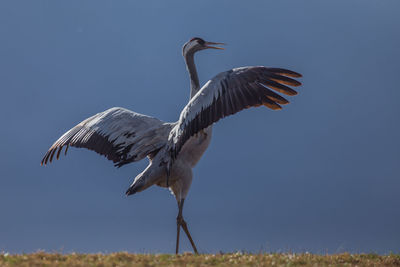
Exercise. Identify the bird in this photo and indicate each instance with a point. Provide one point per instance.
(174, 148)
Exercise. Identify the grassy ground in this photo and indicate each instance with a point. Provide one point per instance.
(235, 259)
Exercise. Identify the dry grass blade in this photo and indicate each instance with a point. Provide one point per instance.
(231, 259)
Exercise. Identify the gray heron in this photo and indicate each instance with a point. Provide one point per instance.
(174, 148)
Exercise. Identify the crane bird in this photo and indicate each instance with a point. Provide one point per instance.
(173, 149)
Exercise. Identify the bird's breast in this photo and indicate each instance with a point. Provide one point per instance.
(195, 147)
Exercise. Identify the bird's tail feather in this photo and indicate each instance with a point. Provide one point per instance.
(134, 189)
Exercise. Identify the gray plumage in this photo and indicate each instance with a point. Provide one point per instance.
(119, 134)
(230, 92)
(175, 148)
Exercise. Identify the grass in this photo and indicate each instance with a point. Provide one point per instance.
(231, 259)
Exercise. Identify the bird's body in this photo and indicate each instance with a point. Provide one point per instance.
(190, 155)
(175, 148)
(181, 171)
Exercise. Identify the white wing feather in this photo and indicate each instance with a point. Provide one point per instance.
(121, 135)
(228, 93)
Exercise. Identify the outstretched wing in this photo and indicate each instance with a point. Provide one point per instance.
(119, 134)
(230, 92)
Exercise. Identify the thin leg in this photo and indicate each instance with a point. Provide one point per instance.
(185, 228)
(178, 225)
(181, 222)
(178, 228)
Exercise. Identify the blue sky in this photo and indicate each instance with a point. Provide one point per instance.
(322, 175)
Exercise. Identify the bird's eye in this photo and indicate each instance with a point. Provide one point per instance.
(199, 40)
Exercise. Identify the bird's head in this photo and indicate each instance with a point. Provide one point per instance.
(197, 44)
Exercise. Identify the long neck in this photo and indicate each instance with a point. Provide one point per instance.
(194, 79)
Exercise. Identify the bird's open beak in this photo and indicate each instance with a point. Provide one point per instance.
(209, 45)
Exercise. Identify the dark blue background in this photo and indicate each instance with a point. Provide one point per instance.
(322, 175)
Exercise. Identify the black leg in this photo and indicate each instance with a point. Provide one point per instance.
(185, 228)
(181, 222)
(178, 228)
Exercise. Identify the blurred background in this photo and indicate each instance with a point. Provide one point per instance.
(322, 175)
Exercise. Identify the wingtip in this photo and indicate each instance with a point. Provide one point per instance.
(294, 75)
(44, 161)
(294, 83)
(286, 72)
(272, 106)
